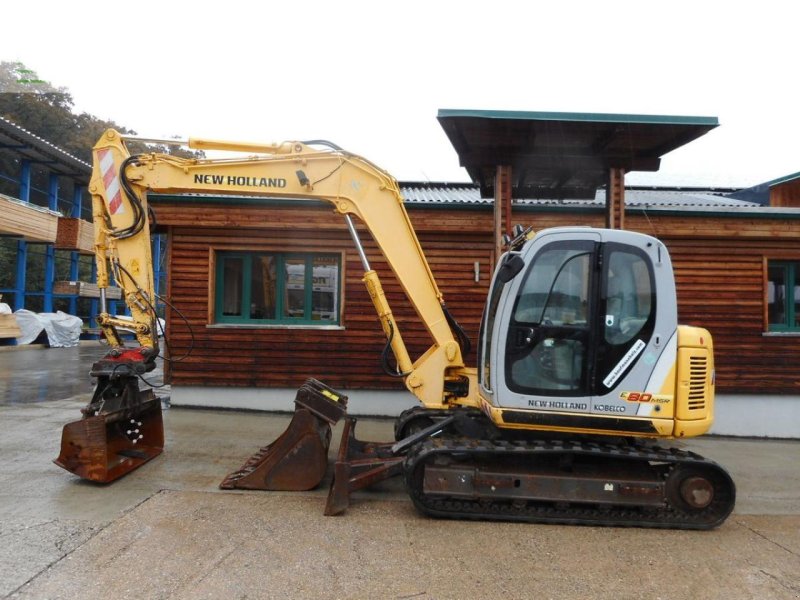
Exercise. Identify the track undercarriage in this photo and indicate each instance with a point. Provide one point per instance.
(587, 483)
(476, 471)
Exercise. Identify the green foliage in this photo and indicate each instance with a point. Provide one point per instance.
(8, 258)
(35, 105)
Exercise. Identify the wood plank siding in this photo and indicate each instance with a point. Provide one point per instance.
(720, 269)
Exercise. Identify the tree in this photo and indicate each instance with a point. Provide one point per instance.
(46, 111)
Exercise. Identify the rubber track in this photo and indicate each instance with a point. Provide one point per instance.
(670, 517)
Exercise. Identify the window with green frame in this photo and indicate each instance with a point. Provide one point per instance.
(783, 295)
(278, 288)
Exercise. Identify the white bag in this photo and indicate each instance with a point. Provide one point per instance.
(63, 330)
(30, 325)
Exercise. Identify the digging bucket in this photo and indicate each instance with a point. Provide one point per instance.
(105, 446)
(298, 459)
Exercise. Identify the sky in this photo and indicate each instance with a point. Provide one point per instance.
(371, 76)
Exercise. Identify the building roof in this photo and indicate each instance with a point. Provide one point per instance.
(466, 193)
(759, 193)
(40, 151)
(442, 194)
(784, 179)
(563, 155)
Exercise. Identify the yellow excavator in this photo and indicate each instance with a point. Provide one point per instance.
(582, 366)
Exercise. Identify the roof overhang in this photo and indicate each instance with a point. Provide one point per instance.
(39, 151)
(563, 155)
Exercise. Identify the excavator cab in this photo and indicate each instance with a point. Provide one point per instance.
(585, 331)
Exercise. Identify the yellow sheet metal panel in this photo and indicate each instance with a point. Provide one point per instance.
(694, 407)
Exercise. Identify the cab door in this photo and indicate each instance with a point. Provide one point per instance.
(545, 327)
(550, 327)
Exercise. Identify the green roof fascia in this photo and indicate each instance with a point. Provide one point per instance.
(694, 212)
(726, 213)
(785, 179)
(579, 117)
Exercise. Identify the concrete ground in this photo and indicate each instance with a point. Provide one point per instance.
(167, 531)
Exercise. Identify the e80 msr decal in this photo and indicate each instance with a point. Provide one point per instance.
(645, 397)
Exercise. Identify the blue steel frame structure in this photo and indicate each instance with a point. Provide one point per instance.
(18, 296)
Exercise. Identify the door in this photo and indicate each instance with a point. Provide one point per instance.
(549, 334)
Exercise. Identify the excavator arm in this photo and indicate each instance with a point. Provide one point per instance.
(122, 425)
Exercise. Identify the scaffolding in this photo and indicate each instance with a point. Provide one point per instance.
(46, 233)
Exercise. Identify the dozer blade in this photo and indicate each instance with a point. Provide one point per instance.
(358, 465)
(298, 459)
(105, 446)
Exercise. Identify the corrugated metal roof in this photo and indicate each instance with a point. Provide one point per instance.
(32, 146)
(442, 193)
(465, 193)
(759, 193)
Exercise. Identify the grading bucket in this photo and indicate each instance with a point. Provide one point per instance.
(104, 446)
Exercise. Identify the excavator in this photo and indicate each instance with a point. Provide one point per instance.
(582, 367)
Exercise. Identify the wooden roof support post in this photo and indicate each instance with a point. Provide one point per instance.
(502, 208)
(615, 199)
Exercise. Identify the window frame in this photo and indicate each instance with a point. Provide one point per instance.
(281, 257)
(791, 269)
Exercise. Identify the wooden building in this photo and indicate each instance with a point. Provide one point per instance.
(733, 262)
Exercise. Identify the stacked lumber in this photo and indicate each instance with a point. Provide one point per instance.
(27, 221)
(9, 327)
(75, 234)
(84, 289)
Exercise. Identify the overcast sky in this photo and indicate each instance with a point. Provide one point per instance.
(371, 76)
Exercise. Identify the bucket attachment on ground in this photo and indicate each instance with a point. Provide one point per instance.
(106, 445)
(298, 459)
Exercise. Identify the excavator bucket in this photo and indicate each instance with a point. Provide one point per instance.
(104, 446)
(298, 459)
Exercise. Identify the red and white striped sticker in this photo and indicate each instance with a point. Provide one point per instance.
(111, 182)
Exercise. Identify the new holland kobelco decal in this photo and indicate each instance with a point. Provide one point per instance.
(645, 397)
(272, 182)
